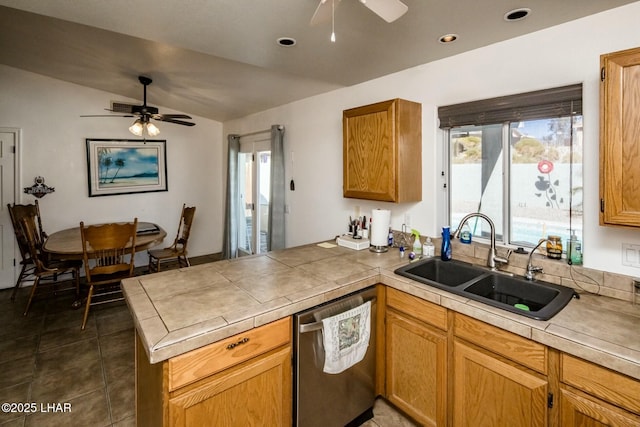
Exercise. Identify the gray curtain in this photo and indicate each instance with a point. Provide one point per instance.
(277, 199)
(230, 240)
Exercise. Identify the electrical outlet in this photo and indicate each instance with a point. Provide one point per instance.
(631, 255)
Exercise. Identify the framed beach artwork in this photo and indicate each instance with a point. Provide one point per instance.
(123, 166)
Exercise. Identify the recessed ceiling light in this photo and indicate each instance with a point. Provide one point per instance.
(448, 38)
(286, 41)
(517, 14)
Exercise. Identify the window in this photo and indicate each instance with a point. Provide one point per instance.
(518, 160)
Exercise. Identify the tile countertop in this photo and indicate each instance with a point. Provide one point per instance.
(180, 310)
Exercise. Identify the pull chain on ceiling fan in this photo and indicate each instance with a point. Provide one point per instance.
(144, 114)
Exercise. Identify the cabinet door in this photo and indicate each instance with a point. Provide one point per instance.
(254, 393)
(620, 138)
(581, 410)
(490, 392)
(370, 152)
(416, 369)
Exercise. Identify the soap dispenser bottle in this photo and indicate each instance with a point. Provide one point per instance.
(445, 251)
(428, 250)
(574, 250)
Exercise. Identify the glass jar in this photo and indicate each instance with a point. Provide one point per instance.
(554, 247)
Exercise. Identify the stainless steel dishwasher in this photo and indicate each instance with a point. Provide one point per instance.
(332, 400)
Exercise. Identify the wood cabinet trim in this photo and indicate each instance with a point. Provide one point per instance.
(422, 310)
(382, 151)
(279, 359)
(519, 349)
(426, 400)
(619, 146)
(601, 382)
(466, 357)
(194, 365)
(576, 408)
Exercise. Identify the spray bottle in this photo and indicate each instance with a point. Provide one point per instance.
(417, 244)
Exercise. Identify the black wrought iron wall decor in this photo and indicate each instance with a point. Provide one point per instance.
(39, 188)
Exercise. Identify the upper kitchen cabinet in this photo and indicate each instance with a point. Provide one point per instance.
(620, 138)
(382, 151)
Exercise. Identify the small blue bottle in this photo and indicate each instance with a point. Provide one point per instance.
(445, 251)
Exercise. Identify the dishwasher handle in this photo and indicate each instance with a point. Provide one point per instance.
(310, 327)
(303, 328)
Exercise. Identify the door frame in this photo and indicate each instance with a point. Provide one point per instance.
(17, 186)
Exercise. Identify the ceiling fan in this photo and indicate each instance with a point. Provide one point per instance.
(144, 114)
(389, 10)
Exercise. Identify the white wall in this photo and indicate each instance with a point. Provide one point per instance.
(558, 56)
(53, 146)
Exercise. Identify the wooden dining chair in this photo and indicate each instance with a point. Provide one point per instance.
(43, 267)
(108, 253)
(178, 250)
(17, 213)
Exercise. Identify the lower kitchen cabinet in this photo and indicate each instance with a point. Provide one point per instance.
(593, 396)
(239, 381)
(253, 393)
(416, 358)
(489, 391)
(490, 385)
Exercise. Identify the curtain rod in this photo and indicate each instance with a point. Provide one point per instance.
(258, 132)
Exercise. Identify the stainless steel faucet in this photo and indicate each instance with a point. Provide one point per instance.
(493, 257)
(531, 269)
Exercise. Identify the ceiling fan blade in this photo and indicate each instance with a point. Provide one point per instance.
(174, 121)
(389, 10)
(122, 107)
(107, 115)
(170, 116)
(323, 12)
(144, 112)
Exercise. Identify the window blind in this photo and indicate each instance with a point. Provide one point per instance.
(556, 102)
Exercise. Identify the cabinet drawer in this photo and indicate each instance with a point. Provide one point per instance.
(422, 310)
(521, 350)
(205, 361)
(601, 382)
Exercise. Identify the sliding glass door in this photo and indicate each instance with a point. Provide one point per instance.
(254, 161)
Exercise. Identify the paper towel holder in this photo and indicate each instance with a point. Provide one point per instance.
(379, 230)
(378, 249)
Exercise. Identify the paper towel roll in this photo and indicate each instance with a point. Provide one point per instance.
(379, 233)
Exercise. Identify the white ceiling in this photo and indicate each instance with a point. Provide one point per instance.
(219, 58)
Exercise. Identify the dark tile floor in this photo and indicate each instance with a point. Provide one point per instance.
(61, 375)
(64, 376)
(54, 374)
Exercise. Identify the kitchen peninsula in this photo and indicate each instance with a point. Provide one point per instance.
(182, 315)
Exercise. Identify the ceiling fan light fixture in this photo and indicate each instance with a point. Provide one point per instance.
(152, 130)
(137, 128)
(140, 126)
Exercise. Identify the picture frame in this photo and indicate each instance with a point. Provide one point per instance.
(126, 166)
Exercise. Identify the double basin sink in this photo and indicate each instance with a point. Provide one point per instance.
(535, 299)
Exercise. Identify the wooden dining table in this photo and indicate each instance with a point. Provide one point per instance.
(67, 244)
